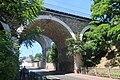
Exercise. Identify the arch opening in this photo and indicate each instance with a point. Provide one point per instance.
(31, 56)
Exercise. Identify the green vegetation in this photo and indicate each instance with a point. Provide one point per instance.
(8, 57)
(53, 55)
(74, 45)
(32, 57)
(103, 38)
(38, 56)
(20, 10)
(29, 34)
(105, 12)
(104, 35)
(14, 13)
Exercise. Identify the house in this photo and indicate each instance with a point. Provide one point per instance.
(28, 63)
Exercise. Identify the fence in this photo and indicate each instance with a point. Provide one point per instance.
(103, 72)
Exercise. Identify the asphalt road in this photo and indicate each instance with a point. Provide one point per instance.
(66, 77)
(55, 75)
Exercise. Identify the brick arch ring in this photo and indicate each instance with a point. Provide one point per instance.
(83, 31)
(57, 20)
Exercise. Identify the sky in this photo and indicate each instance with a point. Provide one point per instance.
(30, 51)
(76, 7)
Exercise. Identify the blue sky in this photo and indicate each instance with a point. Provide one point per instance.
(76, 7)
(30, 51)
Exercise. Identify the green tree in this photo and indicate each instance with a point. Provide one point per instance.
(74, 46)
(29, 34)
(9, 64)
(103, 35)
(38, 56)
(100, 41)
(105, 30)
(20, 10)
(53, 55)
(106, 11)
(96, 44)
(32, 57)
(14, 13)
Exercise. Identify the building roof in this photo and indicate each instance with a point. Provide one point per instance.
(36, 60)
(28, 60)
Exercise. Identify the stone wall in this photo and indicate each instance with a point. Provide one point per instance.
(76, 24)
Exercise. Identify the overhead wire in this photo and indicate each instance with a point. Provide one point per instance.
(74, 11)
(58, 1)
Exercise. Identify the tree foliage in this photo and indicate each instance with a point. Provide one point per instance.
(103, 38)
(14, 13)
(29, 35)
(74, 45)
(106, 11)
(8, 57)
(32, 57)
(101, 41)
(38, 56)
(53, 55)
(77, 46)
(20, 10)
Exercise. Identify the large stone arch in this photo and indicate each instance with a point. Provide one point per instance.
(58, 31)
(57, 20)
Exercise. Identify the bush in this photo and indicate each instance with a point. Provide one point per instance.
(9, 64)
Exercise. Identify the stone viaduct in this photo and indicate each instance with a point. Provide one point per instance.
(58, 26)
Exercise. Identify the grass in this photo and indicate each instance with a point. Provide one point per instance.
(104, 72)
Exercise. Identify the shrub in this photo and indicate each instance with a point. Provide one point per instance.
(9, 63)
